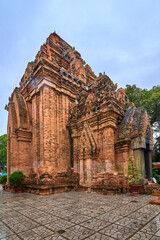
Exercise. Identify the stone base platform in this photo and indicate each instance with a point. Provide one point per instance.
(48, 189)
(102, 190)
(44, 189)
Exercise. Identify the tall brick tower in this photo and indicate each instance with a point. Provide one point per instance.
(69, 128)
(38, 137)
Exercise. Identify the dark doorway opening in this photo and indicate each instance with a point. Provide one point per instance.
(147, 161)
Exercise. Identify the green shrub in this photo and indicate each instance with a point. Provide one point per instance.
(16, 179)
(133, 172)
(156, 173)
(3, 180)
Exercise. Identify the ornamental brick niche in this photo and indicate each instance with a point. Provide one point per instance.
(68, 128)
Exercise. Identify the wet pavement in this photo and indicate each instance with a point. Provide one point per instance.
(77, 215)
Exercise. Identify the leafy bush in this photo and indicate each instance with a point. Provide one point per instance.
(133, 172)
(3, 180)
(16, 179)
(155, 173)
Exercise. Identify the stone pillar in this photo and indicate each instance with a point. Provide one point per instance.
(150, 165)
(122, 154)
(34, 132)
(89, 171)
(75, 155)
(124, 163)
(47, 125)
(64, 142)
(140, 161)
(53, 129)
(41, 130)
(58, 123)
(108, 146)
(14, 154)
(81, 173)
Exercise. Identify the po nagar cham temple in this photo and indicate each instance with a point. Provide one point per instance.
(69, 129)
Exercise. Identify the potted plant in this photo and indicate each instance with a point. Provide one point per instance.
(133, 177)
(16, 180)
(3, 181)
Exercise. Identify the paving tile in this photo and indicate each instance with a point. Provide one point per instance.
(54, 237)
(151, 228)
(123, 233)
(99, 236)
(155, 238)
(5, 231)
(77, 218)
(36, 233)
(125, 221)
(141, 236)
(136, 224)
(135, 215)
(109, 217)
(157, 218)
(12, 237)
(111, 229)
(158, 233)
(61, 224)
(46, 219)
(92, 213)
(95, 224)
(146, 217)
(77, 232)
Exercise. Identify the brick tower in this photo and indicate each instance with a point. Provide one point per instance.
(69, 128)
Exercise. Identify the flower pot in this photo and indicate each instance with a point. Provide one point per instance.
(135, 189)
(19, 189)
(4, 187)
(156, 192)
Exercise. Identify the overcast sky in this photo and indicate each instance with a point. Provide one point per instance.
(118, 37)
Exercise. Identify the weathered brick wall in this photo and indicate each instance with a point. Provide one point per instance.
(19, 145)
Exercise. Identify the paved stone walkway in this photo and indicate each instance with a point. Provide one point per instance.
(76, 215)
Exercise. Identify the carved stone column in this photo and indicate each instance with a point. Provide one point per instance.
(108, 146)
(81, 181)
(123, 151)
(89, 169)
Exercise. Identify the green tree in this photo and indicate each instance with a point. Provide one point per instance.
(149, 100)
(3, 153)
(134, 94)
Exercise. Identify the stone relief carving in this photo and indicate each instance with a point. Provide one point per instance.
(87, 139)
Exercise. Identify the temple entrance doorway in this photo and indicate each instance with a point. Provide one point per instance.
(148, 163)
